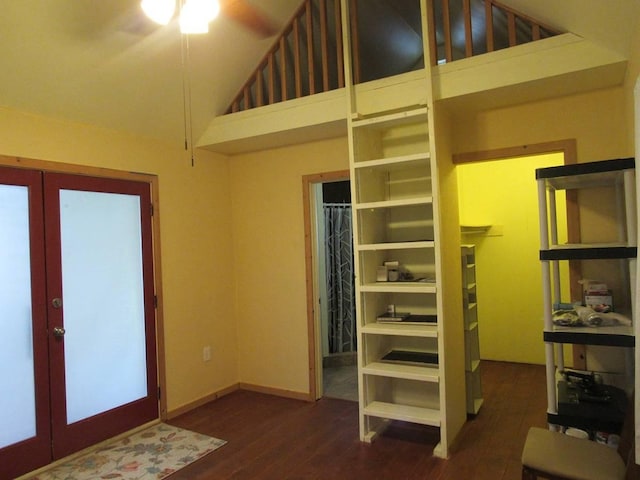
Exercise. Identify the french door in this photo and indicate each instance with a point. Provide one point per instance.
(77, 350)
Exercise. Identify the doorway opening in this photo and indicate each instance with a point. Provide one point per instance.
(498, 210)
(330, 286)
(336, 290)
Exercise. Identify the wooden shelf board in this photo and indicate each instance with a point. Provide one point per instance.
(475, 408)
(411, 330)
(475, 364)
(427, 373)
(391, 411)
(390, 162)
(372, 247)
(474, 229)
(401, 202)
(390, 119)
(399, 287)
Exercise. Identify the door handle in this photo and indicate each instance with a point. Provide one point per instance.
(58, 332)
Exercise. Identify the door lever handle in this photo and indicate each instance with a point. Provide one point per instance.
(58, 332)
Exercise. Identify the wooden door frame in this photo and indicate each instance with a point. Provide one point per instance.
(569, 148)
(307, 182)
(152, 180)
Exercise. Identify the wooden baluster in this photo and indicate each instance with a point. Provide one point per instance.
(488, 13)
(247, 97)
(310, 62)
(535, 31)
(468, 35)
(446, 19)
(296, 57)
(283, 67)
(259, 92)
(433, 42)
(324, 45)
(339, 58)
(355, 40)
(272, 78)
(511, 19)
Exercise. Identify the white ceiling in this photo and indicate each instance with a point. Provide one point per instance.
(101, 62)
(97, 62)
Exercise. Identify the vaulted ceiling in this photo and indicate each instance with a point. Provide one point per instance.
(101, 63)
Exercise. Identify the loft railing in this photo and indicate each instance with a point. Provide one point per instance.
(464, 28)
(307, 58)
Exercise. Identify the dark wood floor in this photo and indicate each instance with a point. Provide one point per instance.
(276, 438)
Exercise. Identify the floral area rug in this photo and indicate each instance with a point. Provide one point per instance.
(153, 453)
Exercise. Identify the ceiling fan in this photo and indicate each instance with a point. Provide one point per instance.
(195, 15)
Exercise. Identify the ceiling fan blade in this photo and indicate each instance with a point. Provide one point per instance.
(248, 16)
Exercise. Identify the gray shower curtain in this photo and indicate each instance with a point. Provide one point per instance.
(340, 281)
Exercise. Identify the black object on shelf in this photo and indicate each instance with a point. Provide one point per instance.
(411, 357)
(576, 411)
(589, 336)
(591, 253)
(407, 319)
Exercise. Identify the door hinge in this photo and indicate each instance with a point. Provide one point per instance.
(151, 209)
(159, 393)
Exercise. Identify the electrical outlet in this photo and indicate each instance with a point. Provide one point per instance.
(206, 353)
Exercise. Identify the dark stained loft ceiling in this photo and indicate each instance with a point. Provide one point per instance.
(390, 34)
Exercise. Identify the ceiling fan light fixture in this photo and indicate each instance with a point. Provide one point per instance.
(195, 15)
(160, 11)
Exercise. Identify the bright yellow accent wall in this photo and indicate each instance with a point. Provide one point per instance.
(268, 237)
(195, 214)
(503, 193)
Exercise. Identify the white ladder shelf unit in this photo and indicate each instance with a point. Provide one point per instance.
(395, 202)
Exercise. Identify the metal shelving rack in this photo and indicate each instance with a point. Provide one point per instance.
(618, 174)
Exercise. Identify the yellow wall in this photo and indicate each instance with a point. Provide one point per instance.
(268, 237)
(597, 120)
(601, 120)
(232, 228)
(633, 74)
(503, 193)
(195, 217)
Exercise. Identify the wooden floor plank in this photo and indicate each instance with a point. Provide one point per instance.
(272, 438)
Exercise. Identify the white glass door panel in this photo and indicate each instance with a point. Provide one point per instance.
(25, 428)
(100, 308)
(17, 382)
(103, 302)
